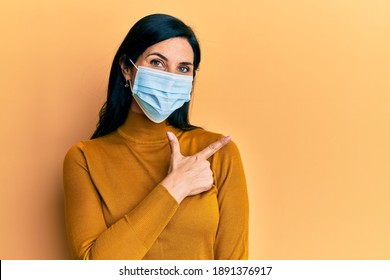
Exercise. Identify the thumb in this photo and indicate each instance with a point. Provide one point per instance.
(174, 144)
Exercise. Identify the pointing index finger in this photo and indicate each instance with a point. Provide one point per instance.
(213, 147)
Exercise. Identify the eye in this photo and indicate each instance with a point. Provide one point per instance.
(157, 63)
(184, 69)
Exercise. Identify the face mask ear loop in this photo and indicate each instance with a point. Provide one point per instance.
(131, 86)
(133, 64)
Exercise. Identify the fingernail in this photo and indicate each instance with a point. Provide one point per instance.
(170, 136)
(227, 139)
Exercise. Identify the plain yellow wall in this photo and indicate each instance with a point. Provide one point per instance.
(303, 87)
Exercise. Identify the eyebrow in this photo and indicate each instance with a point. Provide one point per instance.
(166, 59)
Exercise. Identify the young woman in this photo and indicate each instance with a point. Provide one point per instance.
(149, 185)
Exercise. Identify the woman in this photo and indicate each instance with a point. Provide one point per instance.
(149, 185)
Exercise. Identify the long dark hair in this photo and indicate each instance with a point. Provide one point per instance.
(145, 33)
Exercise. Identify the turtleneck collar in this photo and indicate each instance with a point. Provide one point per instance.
(139, 128)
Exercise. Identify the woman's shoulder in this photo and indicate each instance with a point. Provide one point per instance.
(204, 138)
(200, 136)
(204, 133)
(97, 144)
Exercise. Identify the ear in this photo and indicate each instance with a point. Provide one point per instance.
(126, 70)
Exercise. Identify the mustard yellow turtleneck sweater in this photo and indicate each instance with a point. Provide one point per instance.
(116, 208)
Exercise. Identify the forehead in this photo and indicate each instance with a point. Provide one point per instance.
(175, 49)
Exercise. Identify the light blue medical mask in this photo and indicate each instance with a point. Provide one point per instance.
(160, 93)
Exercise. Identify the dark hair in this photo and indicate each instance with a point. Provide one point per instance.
(145, 33)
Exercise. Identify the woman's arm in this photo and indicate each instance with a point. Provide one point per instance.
(131, 237)
(232, 235)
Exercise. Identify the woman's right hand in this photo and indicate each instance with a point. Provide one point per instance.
(190, 175)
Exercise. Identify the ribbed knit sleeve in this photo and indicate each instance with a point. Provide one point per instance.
(232, 236)
(89, 237)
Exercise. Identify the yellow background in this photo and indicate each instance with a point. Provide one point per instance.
(303, 87)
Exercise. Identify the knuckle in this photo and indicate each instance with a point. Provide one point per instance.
(174, 143)
(194, 159)
(213, 146)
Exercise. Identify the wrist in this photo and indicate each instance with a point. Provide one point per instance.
(177, 191)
